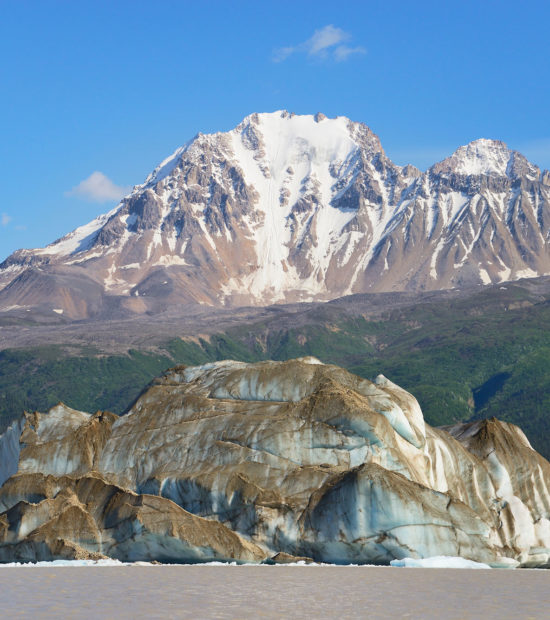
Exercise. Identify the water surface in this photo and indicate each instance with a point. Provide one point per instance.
(272, 592)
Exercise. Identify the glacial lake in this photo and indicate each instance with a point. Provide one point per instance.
(272, 592)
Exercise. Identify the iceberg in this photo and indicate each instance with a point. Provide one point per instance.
(440, 561)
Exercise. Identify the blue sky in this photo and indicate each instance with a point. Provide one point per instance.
(114, 87)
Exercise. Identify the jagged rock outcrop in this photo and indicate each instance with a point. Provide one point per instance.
(288, 208)
(261, 462)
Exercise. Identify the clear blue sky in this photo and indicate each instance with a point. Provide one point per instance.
(115, 87)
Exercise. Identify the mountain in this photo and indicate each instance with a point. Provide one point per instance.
(270, 461)
(288, 208)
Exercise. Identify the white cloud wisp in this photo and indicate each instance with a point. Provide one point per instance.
(328, 43)
(99, 188)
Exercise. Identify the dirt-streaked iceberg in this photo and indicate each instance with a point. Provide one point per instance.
(249, 462)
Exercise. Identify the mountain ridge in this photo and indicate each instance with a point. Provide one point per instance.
(288, 208)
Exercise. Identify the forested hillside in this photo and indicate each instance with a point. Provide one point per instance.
(479, 355)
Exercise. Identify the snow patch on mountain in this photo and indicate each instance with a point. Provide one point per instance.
(296, 154)
(79, 240)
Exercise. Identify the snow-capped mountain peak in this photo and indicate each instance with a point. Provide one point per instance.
(289, 207)
(482, 156)
(489, 158)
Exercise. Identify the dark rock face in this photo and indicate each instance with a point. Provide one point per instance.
(144, 211)
(288, 208)
(275, 462)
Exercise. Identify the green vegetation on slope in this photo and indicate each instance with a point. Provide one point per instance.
(36, 379)
(462, 359)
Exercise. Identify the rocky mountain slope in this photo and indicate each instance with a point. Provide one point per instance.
(270, 461)
(289, 208)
